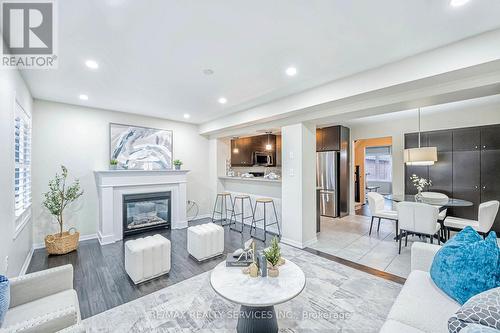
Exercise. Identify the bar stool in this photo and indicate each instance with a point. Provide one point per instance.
(223, 196)
(241, 197)
(264, 201)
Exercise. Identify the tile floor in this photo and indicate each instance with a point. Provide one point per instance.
(348, 238)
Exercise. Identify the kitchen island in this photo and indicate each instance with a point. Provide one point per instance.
(256, 187)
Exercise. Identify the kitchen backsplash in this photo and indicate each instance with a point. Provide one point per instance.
(242, 170)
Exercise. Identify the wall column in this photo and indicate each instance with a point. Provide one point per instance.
(299, 184)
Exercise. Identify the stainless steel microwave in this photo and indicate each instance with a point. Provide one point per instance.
(263, 158)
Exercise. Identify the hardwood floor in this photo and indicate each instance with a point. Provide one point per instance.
(102, 283)
(100, 278)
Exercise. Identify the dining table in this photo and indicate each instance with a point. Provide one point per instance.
(448, 203)
(442, 205)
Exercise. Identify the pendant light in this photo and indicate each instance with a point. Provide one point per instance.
(268, 145)
(235, 149)
(420, 155)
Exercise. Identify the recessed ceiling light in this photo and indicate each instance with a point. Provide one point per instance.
(186, 116)
(92, 64)
(222, 100)
(458, 3)
(291, 71)
(84, 97)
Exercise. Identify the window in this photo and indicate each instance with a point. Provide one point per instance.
(22, 151)
(378, 164)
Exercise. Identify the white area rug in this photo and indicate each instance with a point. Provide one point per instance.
(336, 298)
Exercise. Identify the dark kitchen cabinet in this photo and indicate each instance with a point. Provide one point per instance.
(328, 138)
(241, 152)
(243, 149)
(467, 139)
(490, 179)
(442, 140)
(411, 140)
(278, 150)
(441, 173)
(466, 182)
(467, 166)
(344, 171)
(490, 138)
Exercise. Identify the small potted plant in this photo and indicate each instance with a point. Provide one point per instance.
(113, 164)
(177, 164)
(273, 256)
(59, 196)
(420, 184)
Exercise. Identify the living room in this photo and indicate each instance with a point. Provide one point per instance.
(192, 166)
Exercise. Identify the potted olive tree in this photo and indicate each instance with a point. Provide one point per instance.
(59, 196)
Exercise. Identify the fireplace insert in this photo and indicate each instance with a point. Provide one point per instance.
(146, 212)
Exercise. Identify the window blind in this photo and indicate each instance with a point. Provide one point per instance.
(22, 153)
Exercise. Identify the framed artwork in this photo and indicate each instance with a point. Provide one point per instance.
(140, 148)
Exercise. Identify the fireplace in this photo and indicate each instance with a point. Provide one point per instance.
(146, 211)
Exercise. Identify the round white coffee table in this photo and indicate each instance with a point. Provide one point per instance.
(257, 296)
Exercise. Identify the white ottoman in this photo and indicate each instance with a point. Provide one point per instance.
(147, 258)
(205, 241)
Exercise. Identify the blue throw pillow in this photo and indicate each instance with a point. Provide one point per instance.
(466, 265)
(4, 297)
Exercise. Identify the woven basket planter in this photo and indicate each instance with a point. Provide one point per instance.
(62, 244)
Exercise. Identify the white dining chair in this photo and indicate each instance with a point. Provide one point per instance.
(376, 203)
(486, 217)
(437, 199)
(416, 218)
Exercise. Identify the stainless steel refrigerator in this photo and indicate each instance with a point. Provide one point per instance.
(327, 181)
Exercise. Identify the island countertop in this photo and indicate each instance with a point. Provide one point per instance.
(251, 179)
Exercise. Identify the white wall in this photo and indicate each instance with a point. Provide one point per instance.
(476, 112)
(78, 137)
(298, 187)
(14, 245)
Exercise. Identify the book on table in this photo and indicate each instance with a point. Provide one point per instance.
(234, 262)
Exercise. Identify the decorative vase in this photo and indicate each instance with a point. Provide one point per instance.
(263, 265)
(113, 167)
(418, 196)
(273, 271)
(177, 167)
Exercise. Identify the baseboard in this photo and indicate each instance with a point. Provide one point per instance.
(180, 225)
(200, 217)
(105, 240)
(27, 261)
(82, 238)
(300, 245)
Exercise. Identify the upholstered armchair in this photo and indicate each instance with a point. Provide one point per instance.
(42, 302)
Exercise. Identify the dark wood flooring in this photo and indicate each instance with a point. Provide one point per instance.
(99, 272)
(101, 282)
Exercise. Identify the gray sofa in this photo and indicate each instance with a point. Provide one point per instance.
(43, 302)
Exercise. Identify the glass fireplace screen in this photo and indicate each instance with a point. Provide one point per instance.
(145, 211)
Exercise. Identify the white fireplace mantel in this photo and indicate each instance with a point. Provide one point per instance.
(113, 184)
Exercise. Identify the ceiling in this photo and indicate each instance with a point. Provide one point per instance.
(489, 102)
(152, 54)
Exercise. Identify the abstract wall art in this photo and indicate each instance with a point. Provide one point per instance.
(140, 148)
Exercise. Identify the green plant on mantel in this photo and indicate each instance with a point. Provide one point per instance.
(60, 195)
(113, 162)
(177, 163)
(273, 254)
